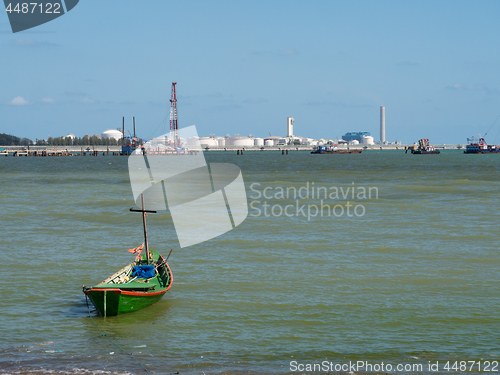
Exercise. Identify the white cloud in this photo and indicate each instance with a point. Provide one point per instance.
(289, 52)
(87, 100)
(18, 100)
(23, 42)
(472, 87)
(48, 100)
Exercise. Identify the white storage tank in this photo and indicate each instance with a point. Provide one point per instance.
(112, 133)
(269, 142)
(239, 141)
(193, 141)
(274, 139)
(222, 141)
(258, 141)
(368, 140)
(208, 142)
(354, 142)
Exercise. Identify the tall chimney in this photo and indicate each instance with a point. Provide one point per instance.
(382, 124)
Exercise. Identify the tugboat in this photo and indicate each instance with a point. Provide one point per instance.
(129, 144)
(423, 148)
(480, 147)
(333, 150)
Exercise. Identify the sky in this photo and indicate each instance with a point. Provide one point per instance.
(243, 67)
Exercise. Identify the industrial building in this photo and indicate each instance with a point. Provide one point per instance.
(355, 136)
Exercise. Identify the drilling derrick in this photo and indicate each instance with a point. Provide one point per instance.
(174, 136)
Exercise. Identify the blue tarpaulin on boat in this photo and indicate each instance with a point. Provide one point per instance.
(145, 272)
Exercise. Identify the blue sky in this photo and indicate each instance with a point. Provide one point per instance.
(243, 67)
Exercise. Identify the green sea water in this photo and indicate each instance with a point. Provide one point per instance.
(410, 275)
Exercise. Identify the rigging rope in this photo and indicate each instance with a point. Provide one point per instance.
(492, 125)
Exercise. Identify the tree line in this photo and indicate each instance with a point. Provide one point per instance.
(84, 141)
(11, 140)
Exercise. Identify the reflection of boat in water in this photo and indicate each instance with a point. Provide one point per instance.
(423, 147)
(480, 147)
(334, 150)
(138, 285)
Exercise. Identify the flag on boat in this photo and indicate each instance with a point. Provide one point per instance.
(136, 250)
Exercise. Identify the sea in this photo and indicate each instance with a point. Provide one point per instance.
(380, 262)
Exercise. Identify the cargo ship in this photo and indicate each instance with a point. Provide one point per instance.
(423, 147)
(333, 150)
(480, 147)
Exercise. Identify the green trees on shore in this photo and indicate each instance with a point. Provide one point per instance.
(84, 141)
(11, 140)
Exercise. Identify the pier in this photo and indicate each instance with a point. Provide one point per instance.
(59, 151)
(239, 150)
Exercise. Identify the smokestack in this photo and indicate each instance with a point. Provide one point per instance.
(382, 124)
(123, 131)
(134, 126)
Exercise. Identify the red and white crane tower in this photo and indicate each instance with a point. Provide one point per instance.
(174, 136)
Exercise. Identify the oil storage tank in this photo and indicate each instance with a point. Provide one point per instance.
(258, 141)
(272, 140)
(368, 140)
(239, 141)
(208, 142)
(112, 133)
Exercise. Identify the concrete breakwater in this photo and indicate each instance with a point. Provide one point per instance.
(116, 150)
(339, 147)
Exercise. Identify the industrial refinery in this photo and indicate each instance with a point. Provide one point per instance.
(363, 138)
(352, 138)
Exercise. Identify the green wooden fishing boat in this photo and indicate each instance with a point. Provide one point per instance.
(137, 285)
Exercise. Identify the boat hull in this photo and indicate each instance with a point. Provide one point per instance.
(114, 296)
(111, 302)
(423, 152)
(481, 151)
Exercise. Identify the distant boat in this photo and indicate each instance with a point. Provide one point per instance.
(137, 285)
(334, 150)
(423, 148)
(130, 144)
(480, 147)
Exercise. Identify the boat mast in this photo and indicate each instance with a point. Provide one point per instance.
(144, 224)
